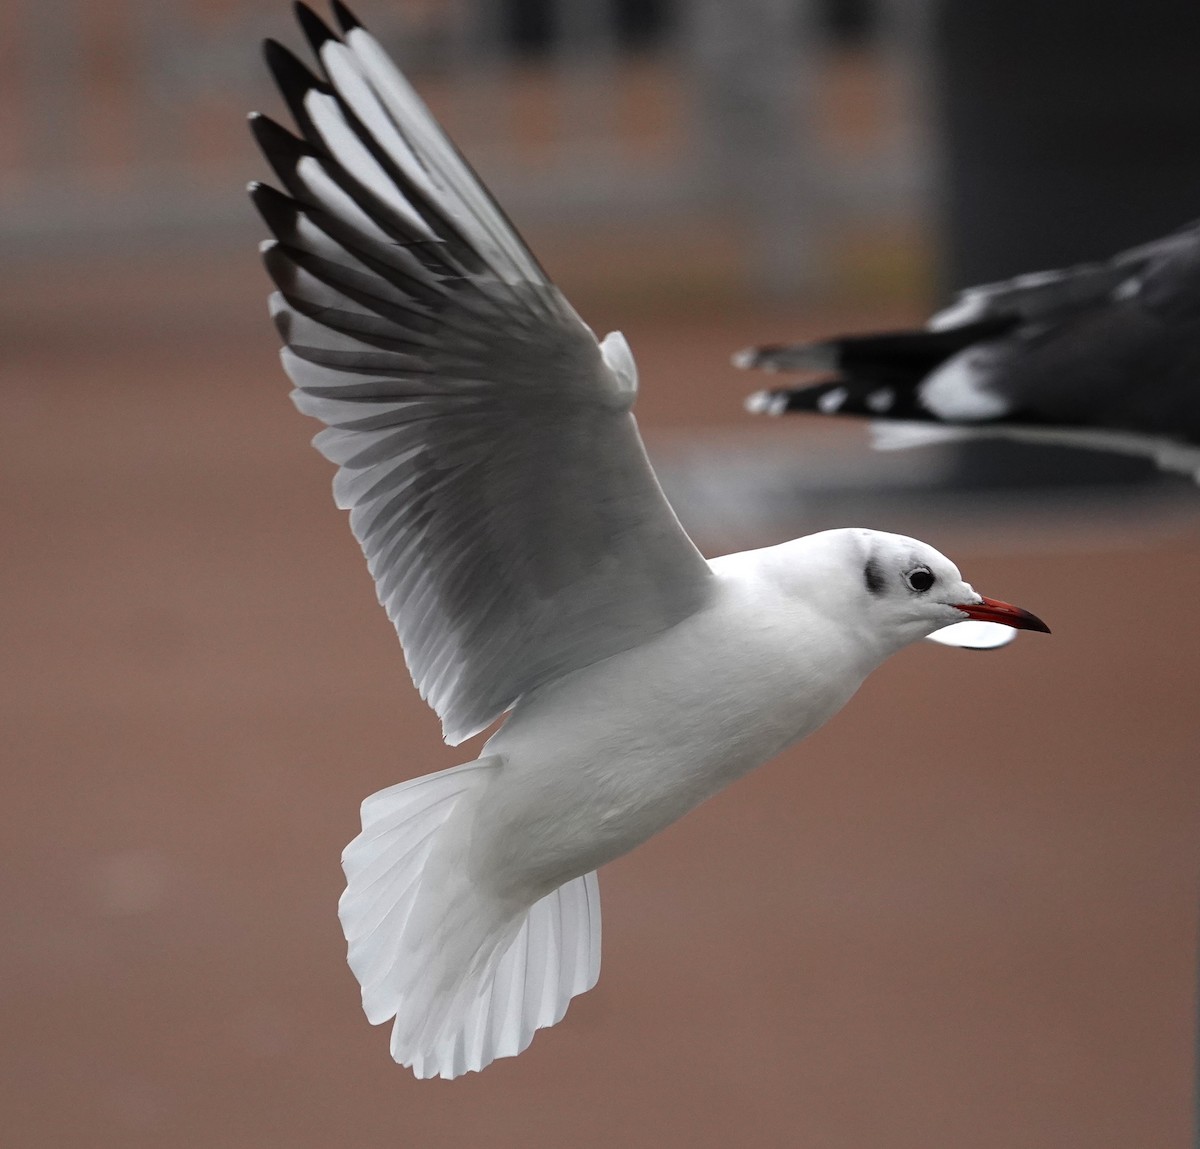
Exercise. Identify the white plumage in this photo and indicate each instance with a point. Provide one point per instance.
(524, 551)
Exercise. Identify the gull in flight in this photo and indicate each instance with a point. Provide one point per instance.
(1102, 355)
(532, 567)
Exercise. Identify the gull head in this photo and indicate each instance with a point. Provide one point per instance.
(892, 589)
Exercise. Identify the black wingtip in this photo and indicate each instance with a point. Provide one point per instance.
(259, 190)
(278, 211)
(316, 31)
(279, 267)
(346, 19)
(830, 397)
(293, 78)
(271, 49)
(268, 134)
(282, 150)
(261, 126)
(766, 402)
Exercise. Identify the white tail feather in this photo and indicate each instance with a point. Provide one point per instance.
(466, 977)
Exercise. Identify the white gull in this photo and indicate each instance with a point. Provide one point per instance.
(532, 566)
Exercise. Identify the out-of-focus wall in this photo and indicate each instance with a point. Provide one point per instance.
(118, 119)
(963, 914)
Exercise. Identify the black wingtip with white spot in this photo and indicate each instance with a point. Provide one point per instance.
(766, 402)
(840, 397)
(278, 211)
(282, 150)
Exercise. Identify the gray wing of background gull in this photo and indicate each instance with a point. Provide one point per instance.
(1103, 355)
(487, 454)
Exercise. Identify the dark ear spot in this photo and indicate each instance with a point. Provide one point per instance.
(873, 577)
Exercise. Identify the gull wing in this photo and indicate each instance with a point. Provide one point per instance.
(1103, 356)
(1053, 295)
(487, 455)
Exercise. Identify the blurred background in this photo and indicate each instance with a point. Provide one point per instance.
(964, 913)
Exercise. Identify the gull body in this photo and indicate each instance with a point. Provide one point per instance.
(524, 551)
(596, 762)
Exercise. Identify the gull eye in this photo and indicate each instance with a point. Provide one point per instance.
(920, 579)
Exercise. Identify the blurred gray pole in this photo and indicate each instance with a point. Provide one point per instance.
(752, 67)
(904, 45)
(1069, 131)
